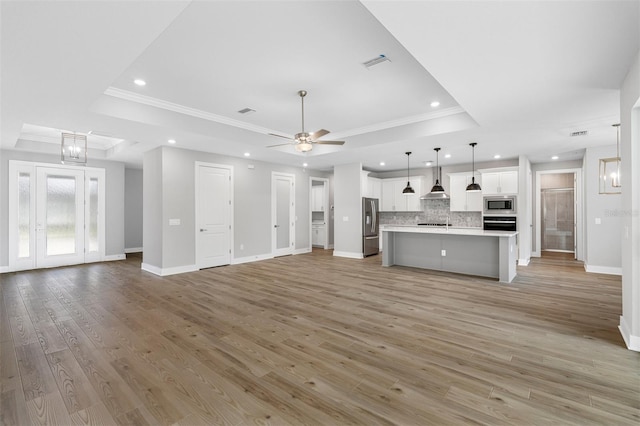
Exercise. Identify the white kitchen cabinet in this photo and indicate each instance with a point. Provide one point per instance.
(460, 199)
(392, 198)
(318, 235)
(317, 198)
(374, 188)
(500, 182)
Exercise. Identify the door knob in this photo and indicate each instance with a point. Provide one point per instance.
(202, 230)
(276, 226)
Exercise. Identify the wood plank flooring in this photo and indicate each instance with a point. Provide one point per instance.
(314, 339)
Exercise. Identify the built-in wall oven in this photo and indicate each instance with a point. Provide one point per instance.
(500, 223)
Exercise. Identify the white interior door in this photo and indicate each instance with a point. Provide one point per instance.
(59, 217)
(213, 215)
(283, 214)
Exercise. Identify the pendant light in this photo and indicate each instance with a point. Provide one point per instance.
(437, 192)
(615, 181)
(408, 190)
(473, 186)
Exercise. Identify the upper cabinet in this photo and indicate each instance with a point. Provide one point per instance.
(370, 187)
(460, 199)
(317, 198)
(392, 199)
(500, 181)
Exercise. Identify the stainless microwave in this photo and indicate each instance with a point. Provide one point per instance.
(500, 205)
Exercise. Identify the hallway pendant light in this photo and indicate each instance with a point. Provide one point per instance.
(408, 190)
(473, 186)
(615, 177)
(437, 192)
(73, 148)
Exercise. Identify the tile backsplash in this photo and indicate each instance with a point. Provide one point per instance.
(434, 211)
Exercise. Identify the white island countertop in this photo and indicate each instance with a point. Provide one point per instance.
(447, 230)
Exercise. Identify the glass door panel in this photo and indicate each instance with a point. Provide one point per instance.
(60, 217)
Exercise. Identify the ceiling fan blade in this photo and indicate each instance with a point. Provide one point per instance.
(318, 134)
(281, 144)
(280, 136)
(330, 142)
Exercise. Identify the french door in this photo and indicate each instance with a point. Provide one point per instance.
(283, 213)
(56, 215)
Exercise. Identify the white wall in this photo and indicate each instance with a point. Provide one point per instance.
(114, 199)
(348, 204)
(133, 210)
(525, 219)
(603, 252)
(169, 193)
(630, 238)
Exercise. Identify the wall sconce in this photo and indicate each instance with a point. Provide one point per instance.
(610, 170)
(73, 148)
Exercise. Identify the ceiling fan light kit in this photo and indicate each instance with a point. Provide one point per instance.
(303, 141)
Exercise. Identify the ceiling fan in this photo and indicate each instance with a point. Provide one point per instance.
(303, 141)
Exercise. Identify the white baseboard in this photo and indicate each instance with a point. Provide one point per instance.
(163, 272)
(302, 250)
(239, 260)
(524, 262)
(609, 270)
(112, 257)
(4, 269)
(632, 342)
(348, 254)
(133, 250)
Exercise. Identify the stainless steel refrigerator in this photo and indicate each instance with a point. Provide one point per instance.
(370, 226)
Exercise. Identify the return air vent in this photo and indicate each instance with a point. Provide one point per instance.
(247, 111)
(375, 61)
(579, 133)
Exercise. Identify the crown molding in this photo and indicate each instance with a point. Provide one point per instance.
(181, 109)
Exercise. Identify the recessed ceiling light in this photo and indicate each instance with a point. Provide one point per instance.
(382, 163)
(247, 154)
(555, 157)
(447, 156)
(428, 163)
(435, 104)
(140, 82)
(496, 156)
(304, 164)
(171, 141)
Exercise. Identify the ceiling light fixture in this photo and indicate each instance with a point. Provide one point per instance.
(428, 163)
(473, 186)
(304, 164)
(447, 156)
(247, 154)
(140, 82)
(496, 156)
(435, 104)
(303, 146)
(382, 163)
(437, 192)
(555, 157)
(408, 190)
(172, 141)
(73, 148)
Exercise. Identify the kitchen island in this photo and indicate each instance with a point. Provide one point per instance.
(463, 250)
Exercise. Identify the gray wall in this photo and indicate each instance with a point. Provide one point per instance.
(603, 247)
(114, 199)
(169, 193)
(348, 203)
(133, 208)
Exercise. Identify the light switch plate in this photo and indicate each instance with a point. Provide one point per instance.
(598, 221)
(174, 222)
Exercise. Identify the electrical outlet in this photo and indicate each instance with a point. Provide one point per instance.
(443, 252)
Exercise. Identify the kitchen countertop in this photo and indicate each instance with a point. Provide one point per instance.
(444, 230)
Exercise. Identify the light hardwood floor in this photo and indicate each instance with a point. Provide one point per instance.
(313, 339)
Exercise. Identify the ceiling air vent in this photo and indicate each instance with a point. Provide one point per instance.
(375, 61)
(247, 111)
(579, 133)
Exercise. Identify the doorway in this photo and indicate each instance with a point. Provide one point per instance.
(214, 209)
(558, 212)
(282, 213)
(320, 211)
(56, 215)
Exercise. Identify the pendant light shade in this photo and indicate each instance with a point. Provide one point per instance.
(437, 192)
(408, 190)
(473, 186)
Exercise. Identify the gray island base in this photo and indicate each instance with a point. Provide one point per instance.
(466, 251)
